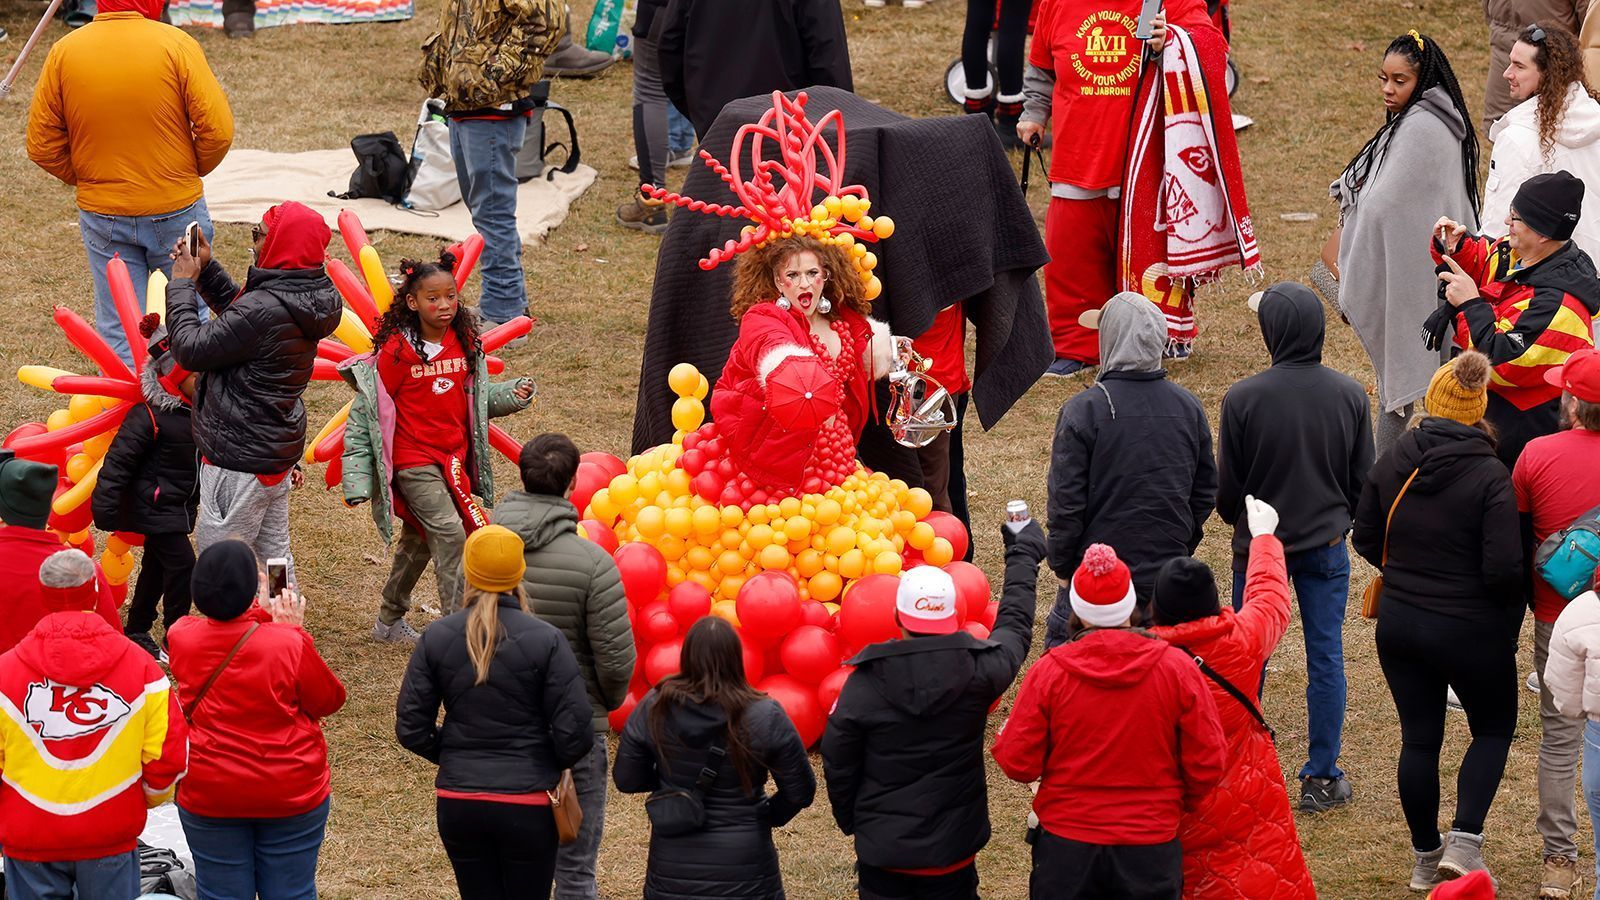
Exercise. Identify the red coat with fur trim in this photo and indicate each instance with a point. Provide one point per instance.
(1240, 841)
(762, 446)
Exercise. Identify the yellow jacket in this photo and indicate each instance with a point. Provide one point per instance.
(128, 111)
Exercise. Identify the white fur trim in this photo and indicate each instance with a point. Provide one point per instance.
(882, 349)
(1103, 615)
(1012, 98)
(977, 93)
(776, 355)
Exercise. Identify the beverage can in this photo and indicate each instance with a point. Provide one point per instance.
(1017, 515)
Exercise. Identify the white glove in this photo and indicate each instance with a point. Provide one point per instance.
(1263, 519)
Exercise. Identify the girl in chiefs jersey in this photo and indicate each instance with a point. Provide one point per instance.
(418, 435)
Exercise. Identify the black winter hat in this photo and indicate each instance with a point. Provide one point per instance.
(225, 580)
(1550, 204)
(1185, 591)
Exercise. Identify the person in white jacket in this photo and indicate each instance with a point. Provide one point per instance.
(1572, 675)
(1555, 125)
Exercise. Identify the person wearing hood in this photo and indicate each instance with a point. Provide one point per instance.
(1121, 732)
(1131, 465)
(903, 752)
(26, 489)
(706, 731)
(149, 485)
(255, 359)
(90, 737)
(1382, 287)
(128, 112)
(1555, 125)
(1438, 517)
(1299, 437)
(573, 584)
(254, 806)
(1526, 301)
(1240, 842)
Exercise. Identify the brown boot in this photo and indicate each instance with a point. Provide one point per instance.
(641, 214)
(1560, 879)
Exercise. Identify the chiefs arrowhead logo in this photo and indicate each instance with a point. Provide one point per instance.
(59, 711)
(443, 385)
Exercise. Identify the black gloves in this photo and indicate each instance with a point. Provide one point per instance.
(1029, 540)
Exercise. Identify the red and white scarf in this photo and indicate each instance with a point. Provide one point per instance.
(1183, 178)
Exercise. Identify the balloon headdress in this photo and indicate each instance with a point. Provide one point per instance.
(778, 196)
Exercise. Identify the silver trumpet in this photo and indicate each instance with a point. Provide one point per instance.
(920, 409)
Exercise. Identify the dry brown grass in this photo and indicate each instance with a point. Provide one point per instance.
(1308, 82)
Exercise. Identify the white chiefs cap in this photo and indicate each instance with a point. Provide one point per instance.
(926, 601)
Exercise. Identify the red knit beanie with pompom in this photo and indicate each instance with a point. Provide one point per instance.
(1102, 588)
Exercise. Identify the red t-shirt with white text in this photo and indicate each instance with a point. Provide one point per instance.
(430, 401)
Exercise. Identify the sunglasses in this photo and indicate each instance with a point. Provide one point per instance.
(1535, 34)
(257, 233)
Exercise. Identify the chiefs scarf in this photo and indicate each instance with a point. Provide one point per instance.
(1183, 175)
(473, 515)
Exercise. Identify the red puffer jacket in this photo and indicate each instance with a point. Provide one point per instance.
(256, 750)
(1123, 734)
(1240, 842)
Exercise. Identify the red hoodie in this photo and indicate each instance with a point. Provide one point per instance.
(297, 238)
(256, 746)
(1122, 730)
(22, 551)
(150, 9)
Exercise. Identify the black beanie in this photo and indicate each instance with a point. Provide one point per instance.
(1550, 204)
(1185, 591)
(225, 580)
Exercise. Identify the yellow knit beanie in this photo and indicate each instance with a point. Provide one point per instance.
(1459, 390)
(492, 559)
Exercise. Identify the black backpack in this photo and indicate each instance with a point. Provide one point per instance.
(382, 170)
(533, 159)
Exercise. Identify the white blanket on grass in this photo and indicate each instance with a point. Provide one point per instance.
(250, 181)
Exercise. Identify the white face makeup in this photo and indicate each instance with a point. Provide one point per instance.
(800, 280)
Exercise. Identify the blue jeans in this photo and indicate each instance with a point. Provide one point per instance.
(680, 133)
(1321, 579)
(1591, 786)
(237, 859)
(485, 152)
(144, 243)
(109, 877)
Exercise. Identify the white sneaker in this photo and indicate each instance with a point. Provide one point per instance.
(913, 4)
(1451, 700)
(400, 632)
(674, 160)
(1533, 682)
(874, 4)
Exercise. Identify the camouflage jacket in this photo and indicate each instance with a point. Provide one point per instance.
(489, 52)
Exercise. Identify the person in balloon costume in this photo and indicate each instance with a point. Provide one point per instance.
(417, 440)
(797, 388)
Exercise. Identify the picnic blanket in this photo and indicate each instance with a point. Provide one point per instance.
(249, 181)
(208, 13)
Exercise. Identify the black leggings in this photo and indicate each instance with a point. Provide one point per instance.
(1423, 652)
(499, 850)
(1009, 42)
(165, 573)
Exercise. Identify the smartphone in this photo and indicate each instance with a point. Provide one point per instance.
(277, 576)
(191, 237)
(1147, 14)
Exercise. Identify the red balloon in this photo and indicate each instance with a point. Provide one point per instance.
(75, 521)
(709, 485)
(689, 603)
(812, 612)
(600, 534)
(662, 660)
(866, 616)
(972, 588)
(990, 612)
(119, 592)
(768, 606)
(977, 630)
(809, 653)
(656, 624)
(755, 660)
(130, 538)
(799, 701)
(830, 688)
(607, 463)
(619, 717)
(643, 570)
(26, 429)
(950, 528)
(590, 478)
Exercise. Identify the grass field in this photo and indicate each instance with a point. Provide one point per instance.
(1308, 81)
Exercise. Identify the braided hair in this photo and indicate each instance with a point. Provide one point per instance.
(401, 319)
(1433, 70)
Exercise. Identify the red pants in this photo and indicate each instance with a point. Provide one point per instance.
(1081, 275)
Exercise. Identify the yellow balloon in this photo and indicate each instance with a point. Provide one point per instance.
(677, 483)
(921, 536)
(797, 528)
(78, 537)
(79, 466)
(824, 586)
(760, 536)
(687, 413)
(873, 289)
(841, 540)
(732, 516)
(698, 559)
(97, 446)
(75, 496)
(58, 420)
(651, 522)
(680, 522)
(116, 568)
(706, 520)
(155, 294)
(883, 227)
(828, 511)
(773, 556)
(725, 609)
(940, 553)
(702, 388)
(40, 377)
(808, 562)
(683, 379)
(352, 332)
(377, 279)
(919, 502)
(82, 406)
(602, 508)
(852, 564)
(728, 587)
(624, 490)
(886, 563)
(338, 419)
(116, 546)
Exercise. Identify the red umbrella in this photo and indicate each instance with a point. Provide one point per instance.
(801, 393)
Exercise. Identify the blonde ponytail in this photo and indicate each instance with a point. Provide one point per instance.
(483, 626)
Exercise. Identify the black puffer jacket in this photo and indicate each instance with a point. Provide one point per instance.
(255, 357)
(149, 481)
(903, 753)
(514, 733)
(1455, 545)
(733, 856)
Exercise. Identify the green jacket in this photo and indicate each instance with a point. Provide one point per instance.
(368, 459)
(573, 584)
